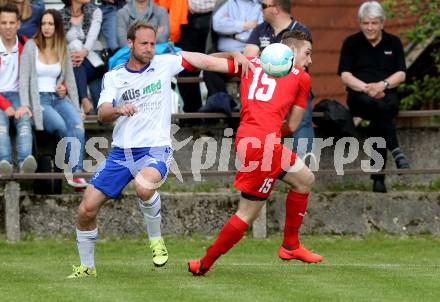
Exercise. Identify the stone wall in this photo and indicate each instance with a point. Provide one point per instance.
(358, 213)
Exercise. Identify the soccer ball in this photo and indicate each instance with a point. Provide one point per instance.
(277, 59)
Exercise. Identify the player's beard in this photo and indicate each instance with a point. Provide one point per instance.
(143, 58)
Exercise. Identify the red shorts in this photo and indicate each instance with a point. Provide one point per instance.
(260, 169)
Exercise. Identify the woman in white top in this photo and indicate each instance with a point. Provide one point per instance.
(47, 86)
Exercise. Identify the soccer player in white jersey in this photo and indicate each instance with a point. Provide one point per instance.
(137, 95)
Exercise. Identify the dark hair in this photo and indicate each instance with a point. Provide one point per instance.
(67, 3)
(285, 5)
(295, 36)
(131, 34)
(59, 36)
(10, 8)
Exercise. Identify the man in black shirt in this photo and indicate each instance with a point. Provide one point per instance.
(371, 66)
(277, 20)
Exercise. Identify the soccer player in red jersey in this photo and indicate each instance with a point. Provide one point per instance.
(266, 101)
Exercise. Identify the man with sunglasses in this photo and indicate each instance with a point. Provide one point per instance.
(277, 20)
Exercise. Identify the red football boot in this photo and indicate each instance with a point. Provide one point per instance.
(196, 268)
(300, 253)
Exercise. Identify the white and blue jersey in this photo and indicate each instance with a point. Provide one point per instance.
(149, 90)
(142, 140)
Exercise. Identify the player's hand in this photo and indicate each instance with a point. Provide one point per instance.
(241, 60)
(22, 111)
(61, 90)
(10, 112)
(127, 110)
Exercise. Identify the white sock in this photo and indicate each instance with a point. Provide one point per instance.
(151, 211)
(85, 240)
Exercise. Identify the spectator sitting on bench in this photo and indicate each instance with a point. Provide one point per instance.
(30, 15)
(193, 37)
(82, 24)
(46, 78)
(371, 66)
(109, 9)
(11, 46)
(145, 10)
(232, 23)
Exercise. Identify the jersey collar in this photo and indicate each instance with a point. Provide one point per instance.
(137, 71)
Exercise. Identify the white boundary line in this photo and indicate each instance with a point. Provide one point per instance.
(360, 265)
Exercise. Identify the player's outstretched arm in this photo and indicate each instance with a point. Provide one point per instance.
(206, 62)
(218, 62)
(240, 60)
(107, 113)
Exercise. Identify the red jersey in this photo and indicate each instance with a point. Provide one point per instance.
(266, 100)
(4, 103)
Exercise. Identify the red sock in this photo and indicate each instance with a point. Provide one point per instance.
(296, 206)
(230, 234)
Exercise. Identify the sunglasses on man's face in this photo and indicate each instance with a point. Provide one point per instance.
(264, 5)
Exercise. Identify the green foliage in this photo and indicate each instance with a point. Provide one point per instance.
(426, 12)
(421, 92)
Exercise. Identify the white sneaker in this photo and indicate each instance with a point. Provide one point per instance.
(77, 182)
(5, 167)
(29, 165)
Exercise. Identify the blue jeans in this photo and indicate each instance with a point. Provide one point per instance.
(304, 135)
(63, 119)
(108, 27)
(23, 127)
(39, 3)
(85, 74)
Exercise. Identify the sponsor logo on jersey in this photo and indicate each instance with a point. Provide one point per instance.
(152, 88)
(132, 94)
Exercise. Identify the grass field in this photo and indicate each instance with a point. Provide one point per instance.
(377, 268)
